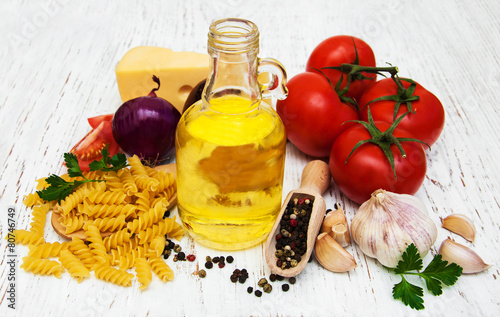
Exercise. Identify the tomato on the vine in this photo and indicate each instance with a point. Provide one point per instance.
(89, 148)
(425, 122)
(360, 171)
(313, 114)
(341, 49)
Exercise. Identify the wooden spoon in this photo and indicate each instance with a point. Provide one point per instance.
(315, 180)
(60, 229)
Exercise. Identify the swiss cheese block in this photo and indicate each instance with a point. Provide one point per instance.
(178, 72)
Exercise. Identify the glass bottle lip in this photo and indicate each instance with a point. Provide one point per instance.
(233, 36)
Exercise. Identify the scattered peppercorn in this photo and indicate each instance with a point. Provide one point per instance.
(292, 280)
(209, 265)
(249, 289)
(191, 257)
(202, 273)
(166, 214)
(268, 288)
(279, 277)
(221, 264)
(177, 248)
(234, 278)
(262, 282)
(215, 259)
(208, 259)
(229, 259)
(166, 253)
(272, 277)
(258, 293)
(285, 287)
(181, 256)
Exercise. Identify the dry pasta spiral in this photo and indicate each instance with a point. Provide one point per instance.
(82, 251)
(42, 266)
(161, 269)
(26, 237)
(110, 274)
(74, 266)
(39, 214)
(96, 245)
(143, 273)
(116, 239)
(46, 250)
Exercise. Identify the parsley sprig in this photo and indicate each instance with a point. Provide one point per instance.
(59, 188)
(437, 272)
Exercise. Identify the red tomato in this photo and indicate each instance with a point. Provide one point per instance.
(89, 148)
(313, 114)
(425, 124)
(368, 169)
(338, 50)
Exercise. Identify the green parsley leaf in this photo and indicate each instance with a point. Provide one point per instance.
(72, 164)
(117, 162)
(437, 272)
(60, 188)
(409, 294)
(411, 260)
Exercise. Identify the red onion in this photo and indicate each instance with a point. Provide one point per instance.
(145, 126)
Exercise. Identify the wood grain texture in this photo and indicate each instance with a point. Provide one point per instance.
(57, 59)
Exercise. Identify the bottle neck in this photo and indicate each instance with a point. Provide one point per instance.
(233, 45)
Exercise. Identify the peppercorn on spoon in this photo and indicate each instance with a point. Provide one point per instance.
(60, 228)
(315, 180)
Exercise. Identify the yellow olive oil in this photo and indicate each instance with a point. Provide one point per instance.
(230, 161)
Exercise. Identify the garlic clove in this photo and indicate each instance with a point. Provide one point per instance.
(461, 225)
(331, 255)
(470, 262)
(340, 233)
(335, 224)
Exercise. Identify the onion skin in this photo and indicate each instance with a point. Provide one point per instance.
(145, 126)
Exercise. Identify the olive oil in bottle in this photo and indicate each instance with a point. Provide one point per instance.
(230, 146)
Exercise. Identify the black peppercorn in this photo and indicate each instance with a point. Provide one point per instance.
(181, 256)
(215, 259)
(285, 287)
(272, 277)
(258, 293)
(229, 259)
(209, 265)
(292, 280)
(250, 289)
(279, 277)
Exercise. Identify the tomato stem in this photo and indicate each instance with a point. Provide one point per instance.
(384, 140)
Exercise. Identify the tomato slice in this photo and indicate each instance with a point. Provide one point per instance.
(95, 121)
(89, 148)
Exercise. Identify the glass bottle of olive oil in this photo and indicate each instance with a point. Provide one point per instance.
(230, 146)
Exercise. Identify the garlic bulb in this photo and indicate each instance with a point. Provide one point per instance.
(386, 224)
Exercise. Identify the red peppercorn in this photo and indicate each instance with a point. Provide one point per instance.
(301, 201)
(279, 236)
(191, 257)
(292, 246)
(293, 222)
(221, 264)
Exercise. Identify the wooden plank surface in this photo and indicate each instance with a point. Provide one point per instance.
(57, 59)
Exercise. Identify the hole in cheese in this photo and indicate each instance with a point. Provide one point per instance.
(184, 91)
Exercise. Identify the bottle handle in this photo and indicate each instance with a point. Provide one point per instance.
(276, 86)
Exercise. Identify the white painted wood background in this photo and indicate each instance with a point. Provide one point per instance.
(57, 60)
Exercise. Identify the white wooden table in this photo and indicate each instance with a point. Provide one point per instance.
(57, 60)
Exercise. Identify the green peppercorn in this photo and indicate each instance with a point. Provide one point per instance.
(268, 288)
(202, 273)
(177, 248)
(262, 282)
